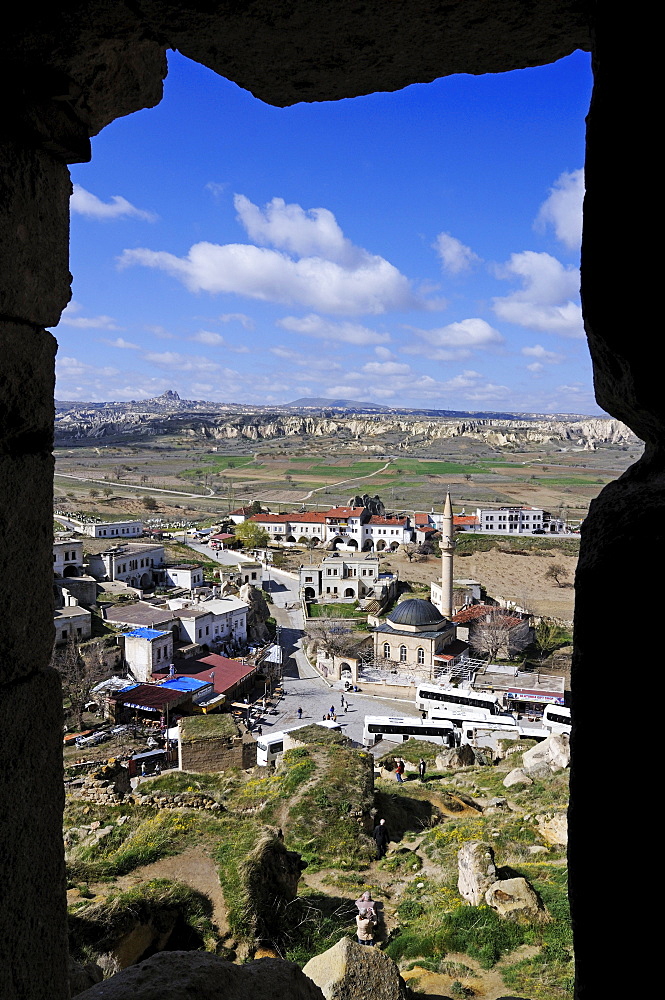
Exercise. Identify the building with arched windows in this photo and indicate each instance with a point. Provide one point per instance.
(416, 638)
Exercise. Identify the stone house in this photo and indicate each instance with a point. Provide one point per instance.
(72, 622)
(137, 564)
(411, 637)
(346, 579)
(147, 650)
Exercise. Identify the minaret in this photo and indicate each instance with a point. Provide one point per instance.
(447, 552)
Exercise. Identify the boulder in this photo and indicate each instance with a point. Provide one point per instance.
(552, 755)
(514, 899)
(82, 977)
(464, 756)
(496, 804)
(350, 971)
(182, 975)
(517, 777)
(476, 871)
(554, 827)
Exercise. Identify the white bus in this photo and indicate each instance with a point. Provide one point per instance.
(461, 703)
(270, 746)
(556, 719)
(397, 729)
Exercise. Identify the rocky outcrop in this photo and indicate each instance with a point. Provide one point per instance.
(269, 877)
(514, 899)
(183, 975)
(350, 971)
(456, 757)
(554, 827)
(548, 757)
(476, 871)
(219, 422)
(517, 777)
(257, 615)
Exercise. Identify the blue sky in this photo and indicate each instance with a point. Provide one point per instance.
(412, 249)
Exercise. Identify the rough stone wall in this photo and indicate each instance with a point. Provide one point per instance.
(69, 69)
(206, 756)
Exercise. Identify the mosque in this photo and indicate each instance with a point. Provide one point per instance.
(418, 634)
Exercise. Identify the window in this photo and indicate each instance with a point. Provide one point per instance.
(421, 655)
(386, 650)
(402, 654)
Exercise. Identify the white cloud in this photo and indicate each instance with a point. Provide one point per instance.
(455, 256)
(384, 353)
(386, 368)
(563, 209)
(124, 345)
(160, 331)
(538, 351)
(84, 203)
(308, 361)
(330, 275)
(455, 341)
(183, 362)
(241, 318)
(216, 188)
(545, 301)
(323, 329)
(311, 233)
(216, 340)
(70, 317)
(72, 367)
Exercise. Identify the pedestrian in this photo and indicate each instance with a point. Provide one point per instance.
(300, 713)
(342, 701)
(365, 905)
(259, 730)
(332, 710)
(422, 767)
(381, 837)
(143, 769)
(399, 771)
(346, 707)
(324, 717)
(365, 929)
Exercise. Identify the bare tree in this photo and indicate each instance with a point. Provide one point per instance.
(79, 672)
(335, 638)
(500, 633)
(410, 549)
(557, 572)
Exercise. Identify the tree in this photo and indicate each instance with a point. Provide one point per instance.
(557, 572)
(252, 535)
(107, 492)
(336, 639)
(149, 503)
(79, 672)
(499, 632)
(410, 549)
(549, 635)
(93, 492)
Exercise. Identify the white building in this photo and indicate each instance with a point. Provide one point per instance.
(346, 528)
(188, 576)
(220, 622)
(72, 622)
(68, 558)
(109, 529)
(137, 564)
(346, 579)
(519, 521)
(147, 650)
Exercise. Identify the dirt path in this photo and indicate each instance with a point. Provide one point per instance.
(195, 868)
(341, 482)
(486, 983)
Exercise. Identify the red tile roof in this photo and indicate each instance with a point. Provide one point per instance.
(224, 673)
(463, 519)
(476, 612)
(270, 518)
(381, 519)
(345, 512)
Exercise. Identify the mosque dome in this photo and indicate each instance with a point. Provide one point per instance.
(415, 613)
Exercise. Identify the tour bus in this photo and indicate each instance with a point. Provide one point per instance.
(556, 719)
(461, 703)
(397, 729)
(270, 746)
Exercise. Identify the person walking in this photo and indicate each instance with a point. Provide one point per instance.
(422, 767)
(399, 771)
(300, 713)
(365, 929)
(381, 838)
